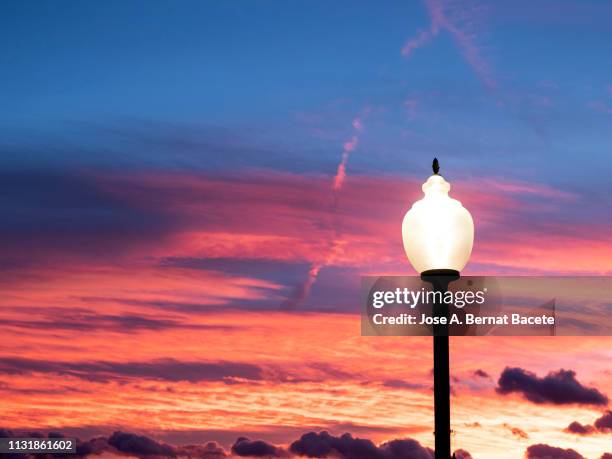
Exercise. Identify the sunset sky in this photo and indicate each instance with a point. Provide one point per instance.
(191, 192)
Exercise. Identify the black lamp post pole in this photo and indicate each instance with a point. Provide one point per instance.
(440, 278)
(442, 397)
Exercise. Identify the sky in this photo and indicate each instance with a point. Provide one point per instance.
(191, 192)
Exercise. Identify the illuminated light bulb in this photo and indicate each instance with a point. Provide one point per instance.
(438, 232)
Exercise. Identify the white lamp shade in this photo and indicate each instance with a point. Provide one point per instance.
(438, 232)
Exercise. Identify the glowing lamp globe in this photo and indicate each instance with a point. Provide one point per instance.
(438, 232)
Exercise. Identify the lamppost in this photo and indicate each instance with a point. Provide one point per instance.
(438, 234)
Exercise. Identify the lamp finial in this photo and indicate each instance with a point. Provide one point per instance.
(435, 166)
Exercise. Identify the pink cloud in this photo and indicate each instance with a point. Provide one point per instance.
(291, 217)
(347, 148)
(414, 43)
(263, 215)
(518, 188)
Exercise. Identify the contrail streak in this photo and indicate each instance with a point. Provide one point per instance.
(458, 19)
(301, 292)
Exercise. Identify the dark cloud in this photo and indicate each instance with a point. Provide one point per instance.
(154, 144)
(318, 445)
(606, 456)
(122, 443)
(277, 433)
(125, 323)
(462, 454)
(177, 306)
(604, 423)
(323, 444)
(139, 445)
(286, 272)
(69, 212)
(542, 451)
(210, 450)
(330, 371)
(165, 369)
(481, 374)
(92, 446)
(401, 384)
(580, 429)
(558, 388)
(5, 433)
(405, 449)
(174, 370)
(255, 448)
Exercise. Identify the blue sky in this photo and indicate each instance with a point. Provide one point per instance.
(273, 73)
(220, 86)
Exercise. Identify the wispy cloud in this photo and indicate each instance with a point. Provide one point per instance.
(460, 20)
(302, 290)
(165, 369)
(600, 107)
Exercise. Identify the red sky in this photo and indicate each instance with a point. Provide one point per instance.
(183, 334)
(190, 192)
